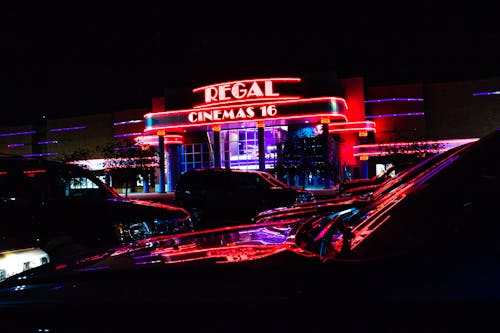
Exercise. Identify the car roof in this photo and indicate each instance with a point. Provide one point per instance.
(21, 161)
(222, 170)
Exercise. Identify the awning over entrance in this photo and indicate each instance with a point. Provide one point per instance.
(271, 114)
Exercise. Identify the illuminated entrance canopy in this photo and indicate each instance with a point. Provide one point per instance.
(258, 100)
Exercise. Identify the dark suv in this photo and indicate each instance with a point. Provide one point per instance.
(218, 197)
(59, 206)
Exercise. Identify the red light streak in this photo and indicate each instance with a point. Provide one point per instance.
(352, 126)
(227, 254)
(152, 140)
(32, 172)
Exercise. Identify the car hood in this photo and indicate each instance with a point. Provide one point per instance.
(84, 209)
(304, 210)
(208, 258)
(212, 247)
(221, 275)
(137, 208)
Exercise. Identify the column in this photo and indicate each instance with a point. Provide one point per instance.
(327, 152)
(161, 154)
(217, 161)
(174, 162)
(363, 135)
(262, 146)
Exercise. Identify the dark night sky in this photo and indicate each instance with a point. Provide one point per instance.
(67, 61)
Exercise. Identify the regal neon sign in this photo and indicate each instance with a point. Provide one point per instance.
(239, 91)
(244, 91)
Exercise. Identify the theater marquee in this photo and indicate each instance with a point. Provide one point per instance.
(257, 100)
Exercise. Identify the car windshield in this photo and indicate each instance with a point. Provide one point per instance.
(330, 233)
(273, 180)
(393, 182)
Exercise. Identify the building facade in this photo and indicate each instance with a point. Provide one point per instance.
(311, 131)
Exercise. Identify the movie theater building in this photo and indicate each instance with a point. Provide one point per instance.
(311, 131)
(278, 124)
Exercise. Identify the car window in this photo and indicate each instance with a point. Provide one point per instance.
(248, 181)
(273, 180)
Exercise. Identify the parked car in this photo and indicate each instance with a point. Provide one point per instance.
(354, 197)
(17, 257)
(63, 207)
(422, 257)
(216, 196)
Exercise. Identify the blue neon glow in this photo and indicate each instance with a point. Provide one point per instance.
(395, 99)
(127, 148)
(67, 128)
(47, 142)
(127, 135)
(486, 93)
(40, 155)
(396, 115)
(17, 133)
(129, 122)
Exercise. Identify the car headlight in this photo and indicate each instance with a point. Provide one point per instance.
(172, 225)
(132, 231)
(15, 261)
(304, 197)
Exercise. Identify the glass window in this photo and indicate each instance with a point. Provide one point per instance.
(241, 147)
(195, 156)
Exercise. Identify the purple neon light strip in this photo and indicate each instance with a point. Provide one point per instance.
(486, 93)
(129, 122)
(127, 135)
(396, 99)
(47, 142)
(436, 170)
(97, 268)
(396, 115)
(127, 148)
(40, 155)
(67, 129)
(15, 145)
(17, 133)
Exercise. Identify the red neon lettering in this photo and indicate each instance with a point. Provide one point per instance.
(238, 91)
(255, 91)
(228, 114)
(210, 94)
(221, 115)
(222, 92)
(269, 89)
